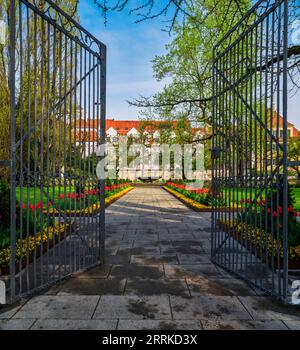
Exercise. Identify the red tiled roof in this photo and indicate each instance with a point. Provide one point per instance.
(122, 127)
(278, 119)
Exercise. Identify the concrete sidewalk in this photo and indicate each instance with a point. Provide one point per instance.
(157, 275)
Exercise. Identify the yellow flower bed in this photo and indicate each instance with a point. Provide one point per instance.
(116, 196)
(186, 200)
(29, 242)
(51, 232)
(261, 239)
(94, 207)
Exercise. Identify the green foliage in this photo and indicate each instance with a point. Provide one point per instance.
(269, 216)
(294, 153)
(189, 56)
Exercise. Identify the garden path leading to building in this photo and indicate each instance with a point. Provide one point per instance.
(157, 275)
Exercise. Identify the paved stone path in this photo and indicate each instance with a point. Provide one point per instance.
(157, 275)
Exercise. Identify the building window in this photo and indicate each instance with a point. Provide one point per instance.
(281, 133)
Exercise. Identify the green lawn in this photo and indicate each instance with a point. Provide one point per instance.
(49, 195)
(296, 193)
(237, 195)
(35, 195)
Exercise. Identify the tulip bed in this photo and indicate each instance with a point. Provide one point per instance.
(87, 202)
(33, 244)
(262, 244)
(35, 223)
(199, 199)
(260, 224)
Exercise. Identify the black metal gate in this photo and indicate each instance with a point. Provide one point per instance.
(252, 221)
(57, 84)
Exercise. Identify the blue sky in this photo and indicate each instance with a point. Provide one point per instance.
(131, 47)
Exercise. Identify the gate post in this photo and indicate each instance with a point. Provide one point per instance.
(102, 143)
(12, 79)
(285, 150)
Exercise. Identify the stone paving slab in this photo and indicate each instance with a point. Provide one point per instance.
(262, 308)
(93, 286)
(75, 325)
(208, 306)
(102, 271)
(293, 325)
(192, 258)
(133, 307)
(243, 325)
(192, 271)
(161, 286)
(59, 307)
(159, 325)
(154, 259)
(219, 286)
(138, 271)
(8, 311)
(16, 325)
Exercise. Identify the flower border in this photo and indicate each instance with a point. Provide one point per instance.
(194, 204)
(92, 209)
(254, 237)
(50, 235)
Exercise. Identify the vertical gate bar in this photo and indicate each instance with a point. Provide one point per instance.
(252, 245)
(261, 139)
(285, 150)
(64, 151)
(90, 196)
(102, 142)
(74, 135)
(94, 216)
(256, 242)
(80, 142)
(98, 144)
(241, 175)
(72, 189)
(246, 155)
(41, 172)
(279, 31)
(271, 150)
(225, 160)
(233, 159)
(28, 148)
(84, 155)
(59, 150)
(12, 54)
(35, 144)
(20, 15)
(54, 158)
(238, 154)
(266, 143)
(213, 226)
(47, 147)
